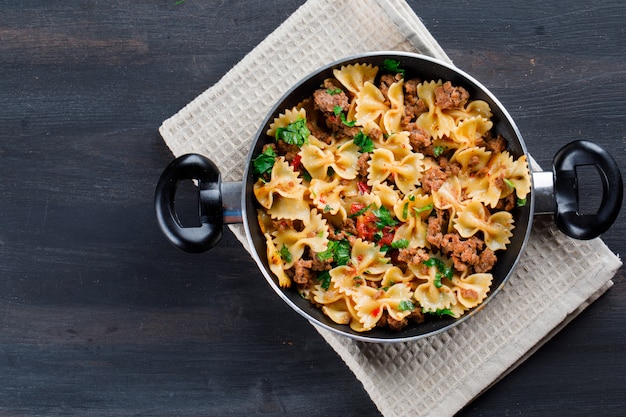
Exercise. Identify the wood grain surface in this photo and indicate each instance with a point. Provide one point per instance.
(101, 316)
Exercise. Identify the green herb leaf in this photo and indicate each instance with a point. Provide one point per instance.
(400, 244)
(346, 122)
(339, 251)
(327, 208)
(406, 305)
(434, 262)
(405, 211)
(384, 218)
(440, 312)
(509, 183)
(264, 162)
(521, 202)
(285, 254)
(295, 133)
(443, 271)
(392, 65)
(337, 110)
(334, 91)
(420, 210)
(324, 278)
(438, 151)
(364, 142)
(343, 252)
(360, 212)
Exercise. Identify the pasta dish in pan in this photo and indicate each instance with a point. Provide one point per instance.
(385, 200)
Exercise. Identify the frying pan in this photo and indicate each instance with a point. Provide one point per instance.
(552, 192)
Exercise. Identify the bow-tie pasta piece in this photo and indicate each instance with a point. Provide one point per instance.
(367, 262)
(371, 105)
(317, 157)
(469, 132)
(327, 196)
(496, 228)
(370, 304)
(283, 195)
(284, 119)
(434, 293)
(354, 77)
(437, 123)
(405, 173)
(471, 290)
(412, 211)
(290, 243)
(398, 143)
(500, 178)
(392, 120)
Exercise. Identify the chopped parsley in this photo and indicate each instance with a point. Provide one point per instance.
(295, 133)
(443, 271)
(393, 65)
(285, 254)
(334, 91)
(338, 111)
(406, 305)
(339, 251)
(440, 312)
(384, 218)
(509, 183)
(420, 210)
(400, 244)
(324, 278)
(264, 163)
(438, 151)
(359, 212)
(521, 202)
(364, 142)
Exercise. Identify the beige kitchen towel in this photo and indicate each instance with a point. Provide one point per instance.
(555, 279)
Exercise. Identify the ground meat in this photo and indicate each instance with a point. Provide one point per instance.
(339, 128)
(487, 261)
(348, 228)
(303, 274)
(363, 164)
(463, 252)
(419, 138)
(496, 145)
(376, 134)
(449, 97)
(416, 316)
(433, 179)
(450, 168)
(319, 133)
(436, 223)
(386, 320)
(327, 102)
(316, 263)
(507, 203)
(282, 224)
(289, 151)
(386, 81)
(396, 325)
(413, 105)
(412, 256)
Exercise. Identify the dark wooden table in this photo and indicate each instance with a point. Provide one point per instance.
(100, 315)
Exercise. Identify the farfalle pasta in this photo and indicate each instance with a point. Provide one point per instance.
(385, 200)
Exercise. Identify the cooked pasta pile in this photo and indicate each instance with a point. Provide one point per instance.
(385, 200)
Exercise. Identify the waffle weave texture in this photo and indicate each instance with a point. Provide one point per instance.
(556, 278)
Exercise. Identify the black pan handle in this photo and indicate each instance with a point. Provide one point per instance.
(568, 218)
(205, 172)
